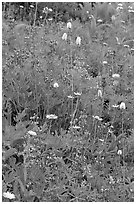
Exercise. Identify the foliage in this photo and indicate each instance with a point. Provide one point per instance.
(66, 136)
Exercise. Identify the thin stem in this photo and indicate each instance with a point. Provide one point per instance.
(35, 14)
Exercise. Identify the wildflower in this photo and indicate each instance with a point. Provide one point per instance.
(76, 127)
(115, 106)
(113, 18)
(30, 132)
(111, 180)
(120, 4)
(97, 117)
(131, 11)
(78, 41)
(77, 93)
(55, 85)
(122, 105)
(69, 25)
(31, 6)
(51, 116)
(50, 10)
(99, 93)
(115, 75)
(99, 20)
(64, 37)
(119, 152)
(126, 45)
(102, 140)
(104, 62)
(105, 44)
(8, 195)
(70, 96)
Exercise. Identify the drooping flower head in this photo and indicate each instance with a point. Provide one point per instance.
(78, 41)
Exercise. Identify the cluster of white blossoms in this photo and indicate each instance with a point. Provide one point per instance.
(65, 36)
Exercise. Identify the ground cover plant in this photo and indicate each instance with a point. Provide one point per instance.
(67, 102)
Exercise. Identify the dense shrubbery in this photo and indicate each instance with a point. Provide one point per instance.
(68, 102)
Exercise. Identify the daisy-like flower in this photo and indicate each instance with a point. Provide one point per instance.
(30, 132)
(55, 85)
(122, 105)
(8, 195)
(99, 93)
(78, 41)
(115, 75)
(69, 25)
(97, 118)
(51, 116)
(64, 37)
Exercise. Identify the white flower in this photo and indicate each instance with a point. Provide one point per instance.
(102, 140)
(97, 117)
(31, 6)
(99, 93)
(115, 75)
(70, 96)
(30, 132)
(99, 20)
(122, 105)
(78, 41)
(8, 195)
(64, 37)
(55, 85)
(119, 152)
(76, 127)
(105, 44)
(50, 10)
(120, 4)
(126, 45)
(77, 93)
(111, 180)
(69, 25)
(113, 18)
(51, 116)
(115, 106)
(104, 62)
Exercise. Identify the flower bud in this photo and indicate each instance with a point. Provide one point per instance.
(119, 152)
(64, 37)
(78, 41)
(55, 85)
(99, 93)
(122, 105)
(113, 18)
(69, 25)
